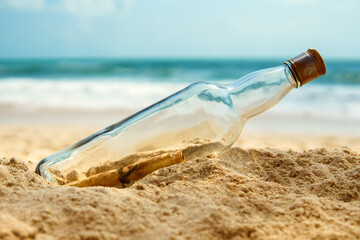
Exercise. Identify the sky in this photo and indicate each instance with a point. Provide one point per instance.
(178, 29)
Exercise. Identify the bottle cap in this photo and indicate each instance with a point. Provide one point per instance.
(307, 66)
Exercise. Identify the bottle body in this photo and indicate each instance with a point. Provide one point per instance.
(200, 119)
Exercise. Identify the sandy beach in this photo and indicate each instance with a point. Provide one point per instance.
(268, 186)
(167, 86)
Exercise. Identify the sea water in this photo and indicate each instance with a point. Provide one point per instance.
(112, 85)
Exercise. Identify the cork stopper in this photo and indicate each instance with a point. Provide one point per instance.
(307, 66)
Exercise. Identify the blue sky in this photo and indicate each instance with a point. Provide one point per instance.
(178, 29)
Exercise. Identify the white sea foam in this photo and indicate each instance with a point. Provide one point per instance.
(336, 102)
(27, 94)
(91, 95)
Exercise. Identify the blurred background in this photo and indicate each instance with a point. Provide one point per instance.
(95, 62)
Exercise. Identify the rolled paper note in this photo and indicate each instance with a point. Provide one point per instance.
(132, 172)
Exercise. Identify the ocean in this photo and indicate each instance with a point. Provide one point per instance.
(98, 85)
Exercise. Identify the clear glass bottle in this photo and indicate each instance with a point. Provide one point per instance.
(200, 119)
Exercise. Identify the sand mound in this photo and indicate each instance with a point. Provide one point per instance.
(236, 194)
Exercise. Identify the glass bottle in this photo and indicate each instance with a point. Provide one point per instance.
(200, 119)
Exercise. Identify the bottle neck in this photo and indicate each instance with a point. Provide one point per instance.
(259, 91)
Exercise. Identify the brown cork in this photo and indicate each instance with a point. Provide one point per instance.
(307, 66)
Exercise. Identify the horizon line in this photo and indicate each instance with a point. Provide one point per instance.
(162, 58)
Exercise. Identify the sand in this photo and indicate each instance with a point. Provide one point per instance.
(302, 187)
